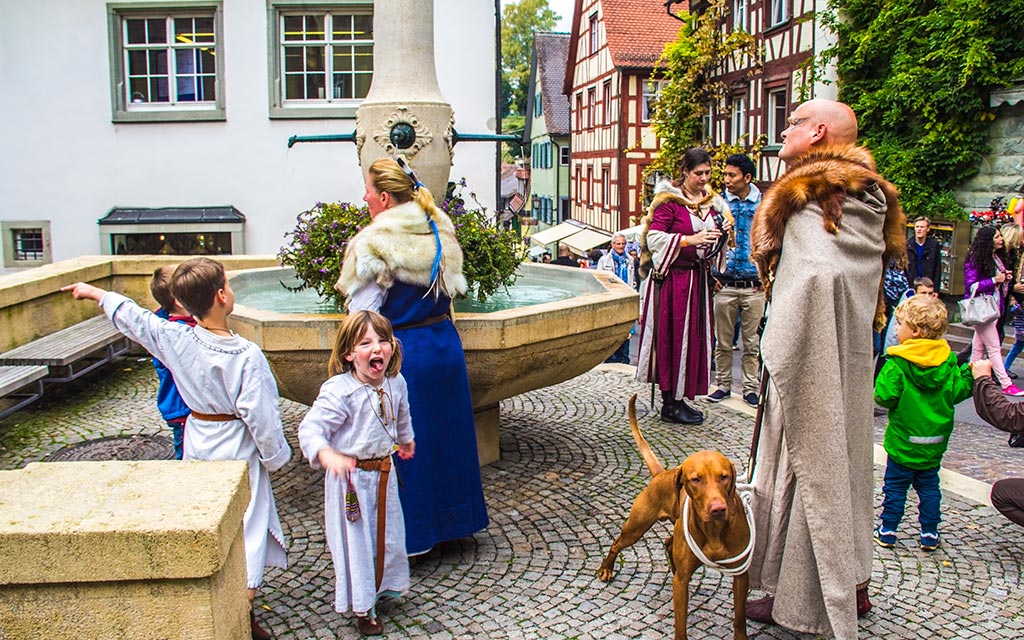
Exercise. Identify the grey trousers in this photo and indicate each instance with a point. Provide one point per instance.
(750, 304)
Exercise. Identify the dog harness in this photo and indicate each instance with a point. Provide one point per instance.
(744, 557)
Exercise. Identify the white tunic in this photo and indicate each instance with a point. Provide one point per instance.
(229, 375)
(346, 418)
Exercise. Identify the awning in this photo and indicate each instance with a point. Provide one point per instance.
(633, 233)
(172, 215)
(586, 239)
(556, 233)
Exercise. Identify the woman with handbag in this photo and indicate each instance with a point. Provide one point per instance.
(986, 283)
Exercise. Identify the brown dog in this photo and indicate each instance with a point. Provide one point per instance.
(717, 523)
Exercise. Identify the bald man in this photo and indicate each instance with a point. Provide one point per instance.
(839, 222)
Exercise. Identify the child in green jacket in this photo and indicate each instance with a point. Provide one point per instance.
(919, 385)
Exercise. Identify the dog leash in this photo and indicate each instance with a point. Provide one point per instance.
(746, 556)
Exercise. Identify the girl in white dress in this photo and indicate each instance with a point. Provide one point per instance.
(359, 419)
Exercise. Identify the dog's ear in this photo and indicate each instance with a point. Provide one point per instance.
(732, 479)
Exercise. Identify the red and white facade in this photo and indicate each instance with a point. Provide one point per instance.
(612, 52)
(790, 34)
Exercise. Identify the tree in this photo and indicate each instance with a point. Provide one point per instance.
(518, 22)
(918, 73)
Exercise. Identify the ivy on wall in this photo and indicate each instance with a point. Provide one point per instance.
(918, 73)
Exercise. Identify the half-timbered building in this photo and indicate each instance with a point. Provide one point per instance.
(790, 35)
(547, 129)
(610, 84)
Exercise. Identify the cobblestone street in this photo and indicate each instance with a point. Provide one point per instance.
(557, 498)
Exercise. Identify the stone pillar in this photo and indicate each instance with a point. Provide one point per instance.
(404, 112)
(123, 550)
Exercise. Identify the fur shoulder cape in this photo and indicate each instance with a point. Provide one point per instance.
(399, 245)
(665, 191)
(826, 177)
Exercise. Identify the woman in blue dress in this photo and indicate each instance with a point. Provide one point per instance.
(407, 265)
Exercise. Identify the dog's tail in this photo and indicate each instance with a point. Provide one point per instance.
(653, 465)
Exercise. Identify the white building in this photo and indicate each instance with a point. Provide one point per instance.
(173, 117)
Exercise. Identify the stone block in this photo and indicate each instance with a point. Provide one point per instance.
(123, 550)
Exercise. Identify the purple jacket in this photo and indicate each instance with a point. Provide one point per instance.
(985, 285)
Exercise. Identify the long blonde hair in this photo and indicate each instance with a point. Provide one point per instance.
(352, 330)
(388, 177)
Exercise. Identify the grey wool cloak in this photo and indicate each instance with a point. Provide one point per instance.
(822, 235)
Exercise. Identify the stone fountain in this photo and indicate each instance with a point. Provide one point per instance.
(507, 352)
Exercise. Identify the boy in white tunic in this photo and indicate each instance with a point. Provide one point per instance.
(360, 417)
(227, 382)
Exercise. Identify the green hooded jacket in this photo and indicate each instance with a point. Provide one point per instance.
(920, 385)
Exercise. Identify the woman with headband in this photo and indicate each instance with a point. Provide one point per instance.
(407, 265)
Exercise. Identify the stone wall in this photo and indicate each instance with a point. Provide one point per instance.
(1001, 173)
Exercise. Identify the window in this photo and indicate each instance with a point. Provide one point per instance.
(563, 209)
(709, 124)
(563, 153)
(538, 106)
(606, 102)
(591, 107)
(322, 62)
(593, 34)
(26, 243)
(165, 63)
(579, 111)
(739, 15)
(652, 89)
(776, 12)
(777, 111)
(606, 187)
(590, 186)
(739, 119)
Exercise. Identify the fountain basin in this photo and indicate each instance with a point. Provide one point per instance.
(508, 352)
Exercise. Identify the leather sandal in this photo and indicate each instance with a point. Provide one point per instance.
(369, 626)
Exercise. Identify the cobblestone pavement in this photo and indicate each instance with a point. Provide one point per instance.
(568, 474)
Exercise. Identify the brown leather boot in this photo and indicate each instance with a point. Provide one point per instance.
(258, 632)
(760, 610)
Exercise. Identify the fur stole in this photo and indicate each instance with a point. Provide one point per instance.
(826, 177)
(665, 191)
(399, 245)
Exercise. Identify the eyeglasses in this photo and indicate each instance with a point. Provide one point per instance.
(796, 122)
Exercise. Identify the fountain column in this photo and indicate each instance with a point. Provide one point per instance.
(404, 112)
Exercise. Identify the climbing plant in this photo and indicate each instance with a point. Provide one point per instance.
(918, 73)
(692, 69)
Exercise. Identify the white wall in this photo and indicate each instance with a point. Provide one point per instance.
(63, 160)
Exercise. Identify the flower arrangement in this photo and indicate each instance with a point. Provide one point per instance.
(995, 215)
(316, 246)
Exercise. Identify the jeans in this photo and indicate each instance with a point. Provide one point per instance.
(986, 344)
(178, 433)
(898, 480)
(1015, 350)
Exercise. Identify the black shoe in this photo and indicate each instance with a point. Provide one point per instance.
(1016, 440)
(680, 413)
(751, 399)
(719, 395)
(1013, 376)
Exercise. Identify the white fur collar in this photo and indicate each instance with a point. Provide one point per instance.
(665, 186)
(399, 245)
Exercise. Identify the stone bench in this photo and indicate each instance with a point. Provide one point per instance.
(22, 385)
(73, 352)
(130, 550)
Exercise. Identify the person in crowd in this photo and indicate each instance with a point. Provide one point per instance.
(985, 272)
(1012, 238)
(679, 234)
(989, 401)
(920, 385)
(565, 258)
(227, 382)
(617, 262)
(361, 417)
(407, 265)
(168, 401)
(739, 296)
(821, 238)
(545, 258)
(923, 259)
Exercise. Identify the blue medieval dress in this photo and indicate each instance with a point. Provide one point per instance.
(388, 267)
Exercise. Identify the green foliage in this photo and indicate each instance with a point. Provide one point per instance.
(692, 66)
(518, 22)
(514, 124)
(918, 73)
(316, 246)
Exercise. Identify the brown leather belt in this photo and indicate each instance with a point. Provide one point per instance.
(383, 465)
(422, 323)
(214, 417)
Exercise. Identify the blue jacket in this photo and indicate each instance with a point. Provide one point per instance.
(168, 400)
